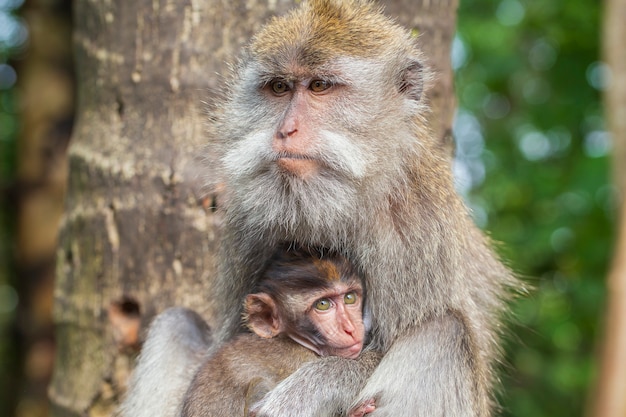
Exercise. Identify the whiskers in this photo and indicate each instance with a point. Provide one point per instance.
(320, 206)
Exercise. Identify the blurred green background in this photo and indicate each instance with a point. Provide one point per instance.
(532, 161)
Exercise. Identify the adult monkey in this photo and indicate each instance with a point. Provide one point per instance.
(324, 141)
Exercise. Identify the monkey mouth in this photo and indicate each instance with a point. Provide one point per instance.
(302, 166)
(350, 352)
(289, 155)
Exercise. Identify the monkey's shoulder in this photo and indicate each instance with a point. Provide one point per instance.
(247, 356)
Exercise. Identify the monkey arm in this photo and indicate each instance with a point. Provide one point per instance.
(326, 387)
(176, 345)
(428, 372)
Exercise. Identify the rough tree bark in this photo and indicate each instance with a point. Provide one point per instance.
(610, 391)
(136, 231)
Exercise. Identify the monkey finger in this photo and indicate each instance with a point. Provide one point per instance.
(365, 408)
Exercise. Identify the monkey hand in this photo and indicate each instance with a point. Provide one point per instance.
(363, 409)
(420, 370)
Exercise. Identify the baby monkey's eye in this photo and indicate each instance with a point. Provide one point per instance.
(279, 87)
(350, 298)
(322, 305)
(317, 86)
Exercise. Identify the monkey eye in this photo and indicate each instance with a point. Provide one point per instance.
(350, 298)
(317, 86)
(279, 87)
(322, 304)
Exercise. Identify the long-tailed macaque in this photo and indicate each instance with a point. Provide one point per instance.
(323, 140)
(305, 305)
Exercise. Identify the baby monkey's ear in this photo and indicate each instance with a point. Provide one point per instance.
(261, 315)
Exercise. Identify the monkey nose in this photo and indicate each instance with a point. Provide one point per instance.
(285, 133)
(288, 128)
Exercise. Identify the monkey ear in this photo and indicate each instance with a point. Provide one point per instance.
(412, 80)
(261, 314)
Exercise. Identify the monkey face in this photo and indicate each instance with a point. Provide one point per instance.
(332, 325)
(314, 297)
(339, 318)
(313, 134)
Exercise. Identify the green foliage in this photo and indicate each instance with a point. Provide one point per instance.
(529, 84)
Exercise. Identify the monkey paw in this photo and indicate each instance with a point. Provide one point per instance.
(364, 408)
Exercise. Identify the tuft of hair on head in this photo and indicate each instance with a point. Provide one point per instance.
(323, 29)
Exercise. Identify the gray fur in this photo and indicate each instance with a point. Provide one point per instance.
(177, 343)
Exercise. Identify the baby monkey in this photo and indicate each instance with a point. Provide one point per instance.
(307, 304)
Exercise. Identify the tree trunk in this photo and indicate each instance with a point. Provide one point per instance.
(435, 24)
(610, 396)
(138, 232)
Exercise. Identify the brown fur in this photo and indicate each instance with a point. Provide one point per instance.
(320, 30)
(240, 373)
(235, 378)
